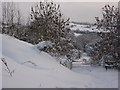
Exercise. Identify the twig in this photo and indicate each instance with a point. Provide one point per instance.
(8, 70)
(30, 62)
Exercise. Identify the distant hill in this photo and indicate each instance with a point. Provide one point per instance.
(82, 23)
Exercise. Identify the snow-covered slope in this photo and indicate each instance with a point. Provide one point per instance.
(45, 72)
(35, 69)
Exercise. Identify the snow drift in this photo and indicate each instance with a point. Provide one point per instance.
(45, 72)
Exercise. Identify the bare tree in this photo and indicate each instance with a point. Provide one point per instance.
(8, 17)
(18, 17)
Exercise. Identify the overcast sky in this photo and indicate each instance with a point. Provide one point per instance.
(83, 12)
(76, 11)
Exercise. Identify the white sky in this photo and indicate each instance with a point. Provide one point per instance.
(76, 11)
(83, 11)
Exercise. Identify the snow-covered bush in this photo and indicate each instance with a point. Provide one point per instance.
(65, 62)
(74, 54)
(105, 58)
(43, 45)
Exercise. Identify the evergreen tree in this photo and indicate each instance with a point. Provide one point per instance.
(48, 24)
(110, 43)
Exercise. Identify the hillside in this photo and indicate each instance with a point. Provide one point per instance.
(35, 69)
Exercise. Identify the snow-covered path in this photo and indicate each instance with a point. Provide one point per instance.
(102, 78)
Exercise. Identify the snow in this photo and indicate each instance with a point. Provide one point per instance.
(44, 44)
(35, 69)
(102, 77)
(85, 28)
(77, 34)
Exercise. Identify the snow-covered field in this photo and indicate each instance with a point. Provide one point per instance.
(35, 69)
(84, 28)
